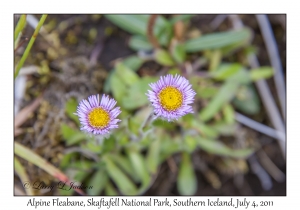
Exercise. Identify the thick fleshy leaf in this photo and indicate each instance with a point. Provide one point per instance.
(134, 24)
(261, 73)
(137, 24)
(136, 96)
(186, 181)
(153, 156)
(178, 53)
(204, 129)
(72, 136)
(206, 92)
(118, 87)
(228, 113)
(65, 161)
(132, 62)
(139, 43)
(247, 100)
(70, 108)
(169, 147)
(164, 58)
(124, 184)
(217, 40)
(203, 87)
(92, 145)
(215, 59)
(224, 128)
(128, 76)
(124, 163)
(225, 71)
(190, 144)
(139, 166)
(81, 164)
(225, 94)
(218, 148)
(110, 190)
(98, 181)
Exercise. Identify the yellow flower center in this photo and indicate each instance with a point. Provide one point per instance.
(98, 118)
(170, 98)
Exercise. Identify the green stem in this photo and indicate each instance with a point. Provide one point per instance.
(23, 176)
(20, 26)
(28, 48)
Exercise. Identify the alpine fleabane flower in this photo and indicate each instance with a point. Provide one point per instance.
(96, 117)
(170, 97)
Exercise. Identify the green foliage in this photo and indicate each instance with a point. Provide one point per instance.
(31, 41)
(127, 76)
(180, 18)
(132, 62)
(225, 94)
(152, 160)
(135, 96)
(98, 181)
(120, 179)
(247, 100)
(187, 182)
(139, 167)
(137, 25)
(126, 161)
(261, 73)
(217, 40)
(20, 26)
(163, 57)
(225, 71)
(71, 136)
(228, 112)
(178, 53)
(218, 148)
(139, 43)
(70, 109)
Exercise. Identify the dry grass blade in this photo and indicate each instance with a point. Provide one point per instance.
(260, 127)
(264, 91)
(217, 21)
(272, 49)
(179, 29)
(35, 159)
(25, 112)
(18, 131)
(150, 33)
(271, 168)
(266, 181)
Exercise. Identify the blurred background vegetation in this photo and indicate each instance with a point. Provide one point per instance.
(234, 143)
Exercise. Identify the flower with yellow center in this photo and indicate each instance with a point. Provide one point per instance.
(98, 117)
(170, 97)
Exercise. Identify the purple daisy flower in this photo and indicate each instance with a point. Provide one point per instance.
(170, 97)
(98, 117)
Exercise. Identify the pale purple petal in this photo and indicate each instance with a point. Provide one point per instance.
(86, 106)
(181, 84)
